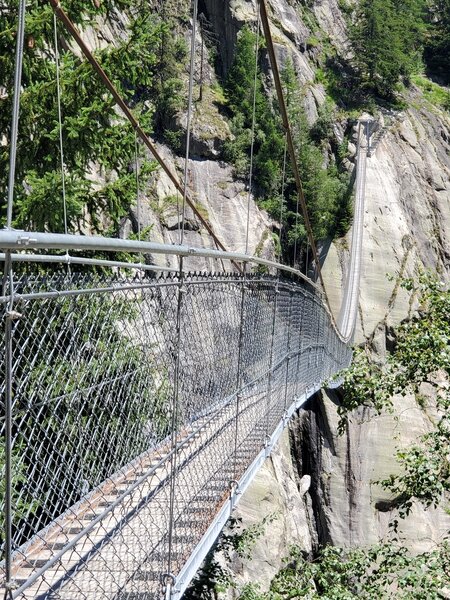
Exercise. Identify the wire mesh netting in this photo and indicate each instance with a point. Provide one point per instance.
(137, 402)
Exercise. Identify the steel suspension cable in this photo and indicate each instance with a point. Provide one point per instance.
(189, 116)
(8, 284)
(283, 182)
(16, 110)
(296, 232)
(61, 145)
(252, 146)
(138, 191)
(176, 391)
(290, 141)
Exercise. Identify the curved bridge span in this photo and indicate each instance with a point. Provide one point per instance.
(142, 407)
(141, 410)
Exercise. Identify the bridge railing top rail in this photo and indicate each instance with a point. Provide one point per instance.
(25, 240)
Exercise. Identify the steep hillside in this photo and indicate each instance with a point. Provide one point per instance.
(320, 485)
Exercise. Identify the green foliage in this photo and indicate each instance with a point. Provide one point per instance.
(382, 571)
(387, 41)
(322, 129)
(95, 138)
(422, 348)
(326, 190)
(239, 90)
(437, 42)
(385, 570)
(425, 466)
(433, 92)
(214, 577)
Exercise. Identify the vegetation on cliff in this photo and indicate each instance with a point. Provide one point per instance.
(145, 64)
(326, 186)
(393, 39)
(421, 354)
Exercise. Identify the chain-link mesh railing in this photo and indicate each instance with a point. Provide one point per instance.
(137, 405)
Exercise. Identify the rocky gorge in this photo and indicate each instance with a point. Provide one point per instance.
(320, 486)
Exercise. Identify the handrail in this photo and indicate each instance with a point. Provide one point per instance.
(66, 259)
(21, 240)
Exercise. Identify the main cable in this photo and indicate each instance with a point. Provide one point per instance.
(189, 116)
(61, 145)
(16, 110)
(138, 191)
(252, 146)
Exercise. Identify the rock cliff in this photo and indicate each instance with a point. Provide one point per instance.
(322, 485)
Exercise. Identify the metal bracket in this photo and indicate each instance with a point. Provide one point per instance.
(25, 240)
(233, 485)
(13, 315)
(169, 580)
(10, 587)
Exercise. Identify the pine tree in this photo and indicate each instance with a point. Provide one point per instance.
(95, 139)
(437, 46)
(386, 37)
(377, 46)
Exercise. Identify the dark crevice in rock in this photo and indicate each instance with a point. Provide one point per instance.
(349, 481)
(388, 505)
(309, 433)
(225, 26)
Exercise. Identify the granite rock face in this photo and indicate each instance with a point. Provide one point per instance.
(222, 201)
(407, 216)
(407, 225)
(350, 508)
(320, 486)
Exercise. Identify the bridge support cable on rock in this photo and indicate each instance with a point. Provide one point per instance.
(349, 307)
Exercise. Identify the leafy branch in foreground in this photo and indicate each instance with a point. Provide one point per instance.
(146, 65)
(381, 571)
(215, 577)
(422, 348)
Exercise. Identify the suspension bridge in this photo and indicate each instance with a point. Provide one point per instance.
(138, 408)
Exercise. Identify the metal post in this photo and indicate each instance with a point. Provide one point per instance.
(269, 383)
(300, 346)
(16, 108)
(239, 372)
(8, 286)
(288, 352)
(175, 415)
(367, 124)
(189, 120)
